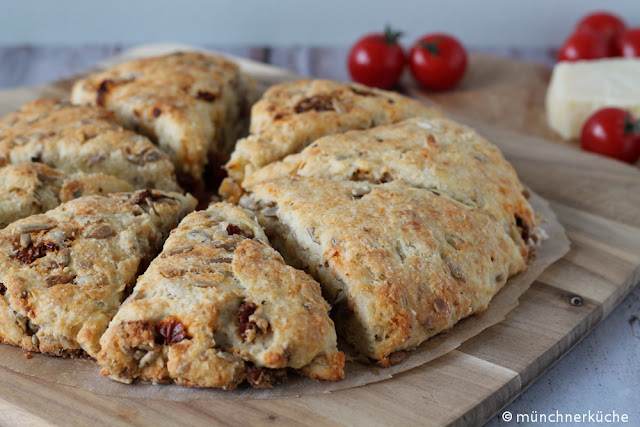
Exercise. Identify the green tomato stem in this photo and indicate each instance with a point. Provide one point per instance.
(432, 47)
(631, 126)
(390, 36)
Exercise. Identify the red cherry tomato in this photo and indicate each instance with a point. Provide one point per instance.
(608, 25)
(630, 43)
(377, 59)
(584, 44)
(612, 132)
(438, 61)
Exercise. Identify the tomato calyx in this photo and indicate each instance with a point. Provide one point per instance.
(431, 46)
(390, 36)
(631, 126)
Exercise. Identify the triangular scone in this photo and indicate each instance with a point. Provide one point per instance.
(437, 154)
(290, 116)
(83, 139)
(219, 306)
(195, 106)
(398, 264)
(64, 273)
(32, 188)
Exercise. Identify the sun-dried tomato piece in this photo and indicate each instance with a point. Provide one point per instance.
(234, 229)
(31, 253)
(245, 311)
(171, 329)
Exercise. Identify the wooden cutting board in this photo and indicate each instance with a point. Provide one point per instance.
(499, 91)
(596, 199)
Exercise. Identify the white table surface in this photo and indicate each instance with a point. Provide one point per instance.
(602, 373)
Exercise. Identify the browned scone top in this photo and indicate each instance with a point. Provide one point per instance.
(437, 154)
(64, 273)
(32, 188)
(290, 116)
(83, 139)
(194, 105)
(398, 264)
(219, 306)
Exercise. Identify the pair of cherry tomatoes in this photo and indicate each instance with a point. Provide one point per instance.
(437, 61)
(601, 35)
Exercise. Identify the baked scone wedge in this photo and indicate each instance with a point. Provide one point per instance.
(219, 306)
(289, 116)
(32, 188)
(64, 273)
(436, 154)
(83, 139)
(398, 264)
(193, 105)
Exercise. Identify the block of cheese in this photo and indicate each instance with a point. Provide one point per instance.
(578, 89)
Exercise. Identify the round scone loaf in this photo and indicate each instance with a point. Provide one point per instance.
(403, 220)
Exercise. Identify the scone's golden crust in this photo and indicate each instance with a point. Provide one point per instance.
(83, 139)
(28, 189)
(80, 184)
(64, 273)
(437, 154)
(219, 306)
(398, 264)
(32, 188)
(193, 105)
(289, 116)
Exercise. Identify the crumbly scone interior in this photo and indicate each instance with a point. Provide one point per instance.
(64, 273)
(219, 306)
(395, 262)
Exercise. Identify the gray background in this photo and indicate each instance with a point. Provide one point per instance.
(285, 22)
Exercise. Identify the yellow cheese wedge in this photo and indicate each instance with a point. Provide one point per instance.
(577, 89)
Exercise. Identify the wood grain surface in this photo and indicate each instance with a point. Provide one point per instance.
(596, 200)
(504, 92)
